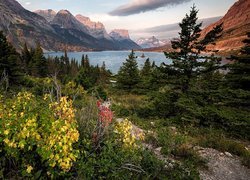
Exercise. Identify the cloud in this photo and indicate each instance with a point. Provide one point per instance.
(28, 3)
(139, 6)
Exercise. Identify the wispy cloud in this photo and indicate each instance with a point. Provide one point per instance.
(139, 6)
(27, 3)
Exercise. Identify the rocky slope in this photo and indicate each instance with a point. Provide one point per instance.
(122, 37)
(47, 14)
(22, 26)
(236, 23)
(96, 29)
(54, 32)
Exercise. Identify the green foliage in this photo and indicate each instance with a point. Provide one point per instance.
(128, 75)
(39, 64)
(238, 76)
(187, 61)
(10, 71)
(37, 136)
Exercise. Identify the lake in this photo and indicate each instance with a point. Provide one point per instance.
(113, 59)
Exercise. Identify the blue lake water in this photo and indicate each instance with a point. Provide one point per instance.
(113, 59)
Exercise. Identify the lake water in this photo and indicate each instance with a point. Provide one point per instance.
(113, 59)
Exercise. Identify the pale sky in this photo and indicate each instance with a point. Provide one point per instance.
(133, 14)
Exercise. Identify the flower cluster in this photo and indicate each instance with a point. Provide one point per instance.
(124, 131)
(49, 130)
(105, 114)
(63, 134)
(20, 131)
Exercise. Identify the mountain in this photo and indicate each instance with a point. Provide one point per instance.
(150, 42)
(96, 29)
(22, 26)
(236, 23)
(47, 14)
(54, 32)
(122, 37)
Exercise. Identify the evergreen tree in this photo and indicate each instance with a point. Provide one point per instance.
(185, 84)
(146, 70)
(86, 62)
(128, 75)
(187, 61)
(40, 66)
(26, 59)
(104, 75)
(82, 61)
(9, 61)
(238, 76)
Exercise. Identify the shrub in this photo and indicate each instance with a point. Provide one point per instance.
(37, 135)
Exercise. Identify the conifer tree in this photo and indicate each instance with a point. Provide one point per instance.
(9, 61)
(187, 61)
(40, 66)
(238, 76)
(146, 69)
(86, 62)
(26, 59)
(128, 75)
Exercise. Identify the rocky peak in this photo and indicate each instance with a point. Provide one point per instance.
(150, 42)
(119, 34)
(48, 14)
(64, 11)
(65, 19)
(87, 22)
(96, 29)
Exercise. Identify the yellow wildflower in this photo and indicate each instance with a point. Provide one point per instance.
(29, 169)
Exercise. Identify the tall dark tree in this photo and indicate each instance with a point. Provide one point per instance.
(238, 76)
(40, 66)
(146, 69)
(128, 75)
(26, 58)
(185, 85)
(187, 60)
(9, 61)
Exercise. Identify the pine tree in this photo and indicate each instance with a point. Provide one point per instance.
(238, 76)
(9, 61)
(39, 66)
(147, 68)
(181, 87)
(187, 61)
(86, 62)
(128, 75)
(82, 61)
(26, 59)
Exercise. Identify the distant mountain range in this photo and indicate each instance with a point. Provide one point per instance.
(151, 42)
(57, 31)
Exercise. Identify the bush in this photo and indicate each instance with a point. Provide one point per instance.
(38, 136)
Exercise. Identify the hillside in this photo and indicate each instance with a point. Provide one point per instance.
(236, 23)
(54, 31)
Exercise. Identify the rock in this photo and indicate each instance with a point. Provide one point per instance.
(228, 154)
(158, 149)
(222, 166)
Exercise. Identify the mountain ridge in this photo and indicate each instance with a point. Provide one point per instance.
(54, 32)
(235, 23)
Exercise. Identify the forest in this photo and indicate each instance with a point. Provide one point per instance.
(60, 118)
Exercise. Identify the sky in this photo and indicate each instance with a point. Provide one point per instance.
(133, 14)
